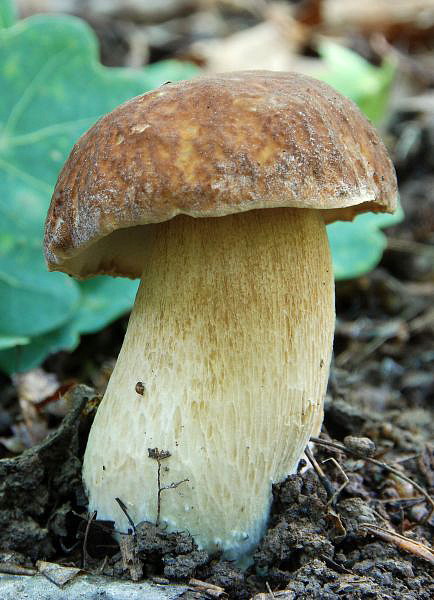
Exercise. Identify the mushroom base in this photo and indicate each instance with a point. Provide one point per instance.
(231, 335)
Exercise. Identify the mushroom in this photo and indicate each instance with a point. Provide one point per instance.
(216, 193)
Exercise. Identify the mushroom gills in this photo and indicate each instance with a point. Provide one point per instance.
(231, 335)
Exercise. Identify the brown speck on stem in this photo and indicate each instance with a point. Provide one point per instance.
(140, 388)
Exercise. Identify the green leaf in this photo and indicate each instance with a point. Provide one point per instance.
(11, 342)
(53, 88)
(8, 13)
(24, 357)
(103, 299)
(32, 301)
(354, 77)
(357, 247)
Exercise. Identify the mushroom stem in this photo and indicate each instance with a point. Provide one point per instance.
(231, 335)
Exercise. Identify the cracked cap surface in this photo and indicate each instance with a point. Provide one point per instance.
(209, 147)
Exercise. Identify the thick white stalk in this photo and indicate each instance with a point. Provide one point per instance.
(231, 334)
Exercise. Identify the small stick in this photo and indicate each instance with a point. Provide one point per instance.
(211, 590)
(12, 569)
(403, 501)
(86, 533)
(270, 591)
(401, 541)
(383, 465)
(128, 547)
(198, 583)
(336, 566)
(103, 565)
(125, 511)
(159, 456)
(101, 526)
(321, 475)
(335, 496)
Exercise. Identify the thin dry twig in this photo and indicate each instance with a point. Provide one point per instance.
(86, 534)
(383, 465)
(214, 591)
(159, 456)
(328, 486)
(409, 246)
(401, 542)
(125, 511)
(128, 547)
(103, 565)
(12, 569)
(340, 489)
(336, 566)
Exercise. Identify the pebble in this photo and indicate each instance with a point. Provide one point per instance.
(362, 445)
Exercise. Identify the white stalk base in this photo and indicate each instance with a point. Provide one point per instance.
(231, 334)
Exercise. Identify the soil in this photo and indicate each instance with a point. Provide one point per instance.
(324, 540)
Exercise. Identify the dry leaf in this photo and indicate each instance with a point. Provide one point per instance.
(58, 574)
(33, 388)
(273, 45)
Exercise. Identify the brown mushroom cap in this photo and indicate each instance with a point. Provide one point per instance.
(210, 147)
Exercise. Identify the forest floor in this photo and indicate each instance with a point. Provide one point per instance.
(369, 538)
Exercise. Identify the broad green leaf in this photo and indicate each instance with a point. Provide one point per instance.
(11, 342)
(367, 85)
(7, 13)
(103, 299)
(32, 301)
(24, 357)
(357, 247)
(52, 89)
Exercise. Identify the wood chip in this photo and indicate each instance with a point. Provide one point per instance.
(214, 591)
(404, 543)
(58, 574)
(130, 560)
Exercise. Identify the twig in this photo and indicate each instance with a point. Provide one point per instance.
(101, 525)
(409, 246)
(159, 456)
(128, 547)
(421, 322)
(86, 534)
(338, 492)
(383, 465)
(214, 591)
(11, 569)
(334, 565)
(403, 501)
(401, 541)
(125, 511)
(102, 565)
(130, 558)
(321, 476)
